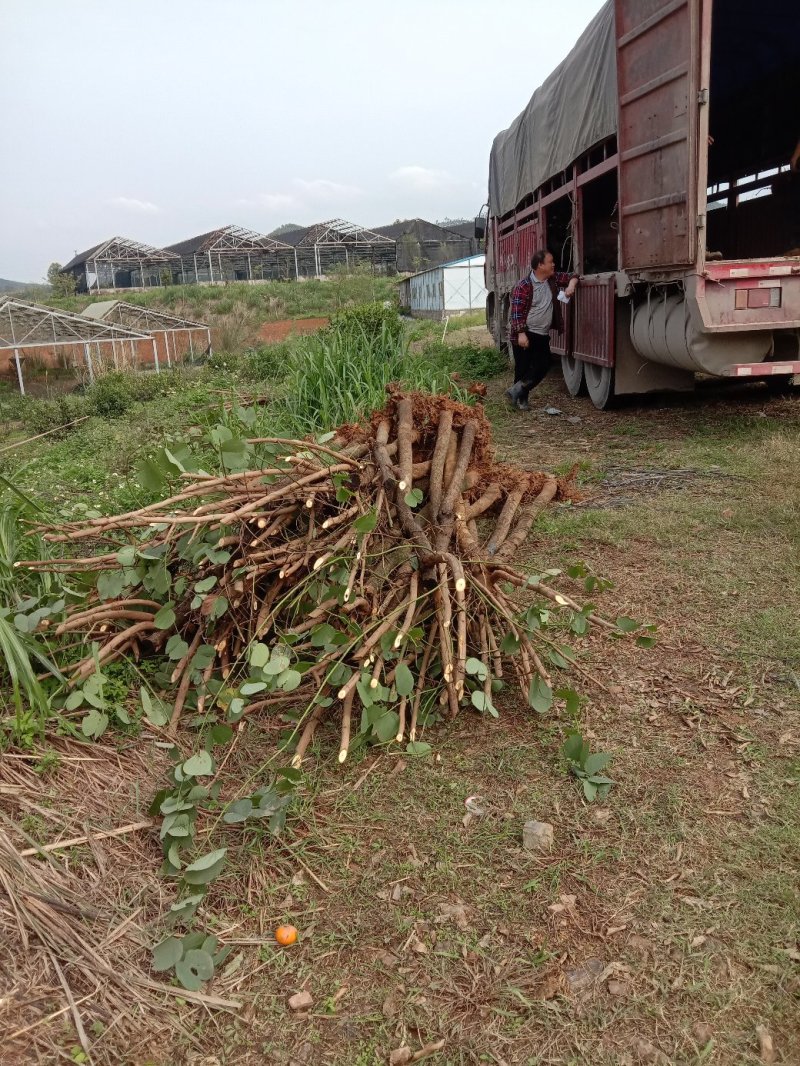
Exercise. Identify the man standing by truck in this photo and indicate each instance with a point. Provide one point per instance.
(536, 308)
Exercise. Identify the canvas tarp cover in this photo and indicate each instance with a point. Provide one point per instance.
(574, 109)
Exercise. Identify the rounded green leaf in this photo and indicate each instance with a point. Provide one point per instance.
(205, 862)
(418, 748)
(239, 811)
(167, 954)
(476, 667)
(404, 680)
(289, 680)
(250, 688)
(126, 556)
(194, 968)
(259, 655)
(199, 765)
(165, 618)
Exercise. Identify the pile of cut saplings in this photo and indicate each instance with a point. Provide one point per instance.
(368, 581)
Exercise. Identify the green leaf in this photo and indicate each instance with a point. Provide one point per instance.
(289, 680)
(627, 625)
(557, 659)
(155, 711)
(483, 703)
(385, 728)
(74, 700)
(205, 869)
(404, 680)
(176, 647)
(239, 811)
(413, 498)
(235, 709)
(595, 763)
(184, 909)
(199, 765)
(250, 688)
(195, 968)
(579, 623)
(126, 556)
(279, 660)
(589, 790)
(509, 644)
(259, 655)
(110, 584)
(418, 748)
(322, 634)
(646, 642)
(540, 695)
(166, 954)
(219, 608)
(573, 748)
(206, 584)
(165, 618)
(367, 522)
(203, 657)
(477, 668)
(150, 475)
(571, 700)
(221, 734)
(94, 724)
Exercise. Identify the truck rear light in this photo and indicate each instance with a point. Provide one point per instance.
(750, 297)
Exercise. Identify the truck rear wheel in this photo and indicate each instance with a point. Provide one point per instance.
(600, 384)
(574, 379)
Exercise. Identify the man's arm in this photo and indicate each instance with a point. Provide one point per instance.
(520, 306)
(569, 282)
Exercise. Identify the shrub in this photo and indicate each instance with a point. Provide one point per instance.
(42, 415)
(471, 361)
(266, 363)
(372, 319)
(340, 375)
(111, 395)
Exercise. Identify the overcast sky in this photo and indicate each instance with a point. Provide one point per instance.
(161, 119)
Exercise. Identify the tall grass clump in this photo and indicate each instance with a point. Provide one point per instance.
(340, 375)
(25, 601)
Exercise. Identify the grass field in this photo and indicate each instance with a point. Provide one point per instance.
(662, 928)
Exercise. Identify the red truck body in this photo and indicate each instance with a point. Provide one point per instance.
(680, 221)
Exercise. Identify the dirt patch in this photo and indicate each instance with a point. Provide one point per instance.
(275, 332)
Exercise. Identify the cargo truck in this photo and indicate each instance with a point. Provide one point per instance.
(655, 162)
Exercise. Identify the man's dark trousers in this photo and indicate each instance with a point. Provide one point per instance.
(532, 363)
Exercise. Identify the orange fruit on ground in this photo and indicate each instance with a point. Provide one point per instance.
(285, 935)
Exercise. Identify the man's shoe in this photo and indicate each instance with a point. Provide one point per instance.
(523, 405)
(512, 395)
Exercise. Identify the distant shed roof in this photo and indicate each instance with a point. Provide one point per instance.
(228, 240)
(121, 249)
(421, 228)
(25, 325)
(132, 316)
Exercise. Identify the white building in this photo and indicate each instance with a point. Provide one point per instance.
(447, 289)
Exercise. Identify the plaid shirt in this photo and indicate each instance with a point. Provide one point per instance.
(521, 299)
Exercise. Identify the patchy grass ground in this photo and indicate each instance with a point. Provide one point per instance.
(664, 925)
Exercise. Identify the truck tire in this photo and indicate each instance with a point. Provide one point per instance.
(600, 385)
(574, 378)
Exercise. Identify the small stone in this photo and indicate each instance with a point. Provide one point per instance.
(552, 411)
(702, 1032)
(537, 836)
(647, 1052)
(585, 975)
(301, 1001)
(619, 988)
(400, 1056)
(765, 1046)
(574, 419)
